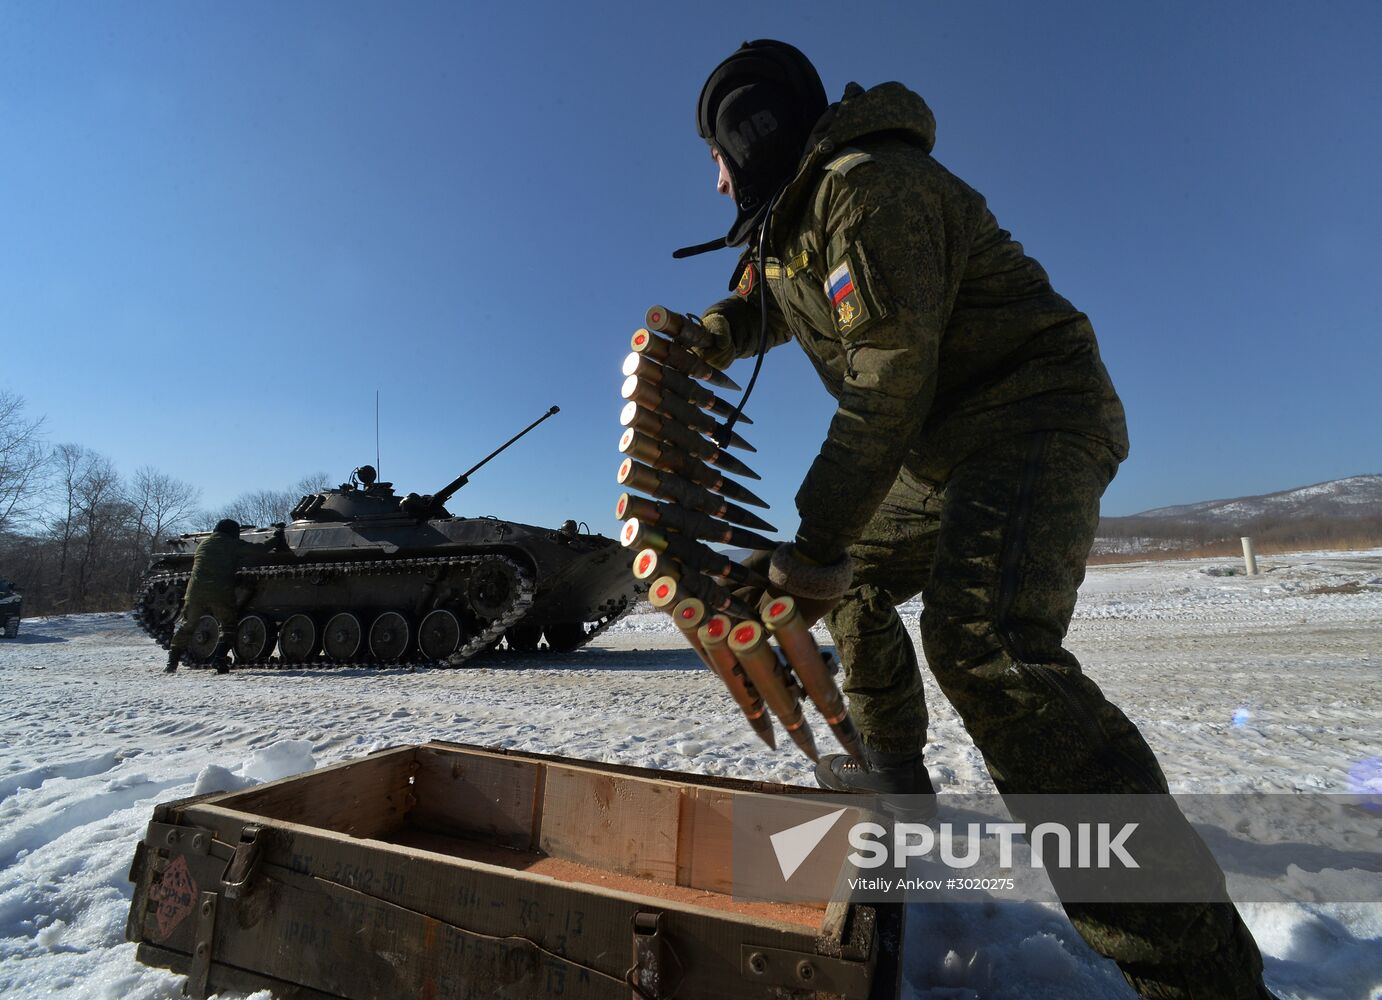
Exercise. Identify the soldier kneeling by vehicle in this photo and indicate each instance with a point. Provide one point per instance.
(211, 589)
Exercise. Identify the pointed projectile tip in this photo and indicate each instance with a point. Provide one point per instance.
(764, 728)
(805, 742)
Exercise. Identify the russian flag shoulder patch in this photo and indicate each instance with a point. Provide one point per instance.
(846, 304)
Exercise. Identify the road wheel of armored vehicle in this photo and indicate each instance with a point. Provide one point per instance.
(523, 638)
(205, 644)
(565, 636)
(254, 639)
(297, 639)
(439, 635)
(342, 637)
(388, 637)
(491, 588)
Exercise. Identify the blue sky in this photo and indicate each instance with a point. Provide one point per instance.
(223, 227)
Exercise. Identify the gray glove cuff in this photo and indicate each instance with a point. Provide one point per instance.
(795, 576)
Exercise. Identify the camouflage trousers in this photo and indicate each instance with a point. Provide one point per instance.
(221, 607)
(997, 553)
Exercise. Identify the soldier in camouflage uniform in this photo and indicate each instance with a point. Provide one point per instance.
(975, 432)
(211, 587)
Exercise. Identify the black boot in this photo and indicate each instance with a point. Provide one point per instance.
(882, 773)
(173, 658)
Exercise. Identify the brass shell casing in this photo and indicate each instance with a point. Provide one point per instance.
(749, 644)
(782, 619)
(713, 636)
(675, 356)
(688, 614)
(650, 564)
(684, 328)
(651, 397)
(663, 592)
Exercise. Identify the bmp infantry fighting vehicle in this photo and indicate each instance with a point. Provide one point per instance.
(11, 604)
(369, 577)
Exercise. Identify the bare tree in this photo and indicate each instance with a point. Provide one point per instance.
(23, 460)
(265, 507)
(103, 511)
(314, 483)
(70, 462)
(260, 507)
(161, 504)
(91, 512)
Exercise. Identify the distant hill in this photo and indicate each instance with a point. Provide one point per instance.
(1356, 496)
(1340, 511)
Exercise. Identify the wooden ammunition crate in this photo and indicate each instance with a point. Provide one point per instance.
(453, 871)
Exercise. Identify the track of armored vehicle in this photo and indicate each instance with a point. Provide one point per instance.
(368, 578)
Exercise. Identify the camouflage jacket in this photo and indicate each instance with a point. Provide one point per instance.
(932, 329)
(217, 558)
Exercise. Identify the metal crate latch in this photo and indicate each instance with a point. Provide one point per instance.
(242, 862)
(648, 975)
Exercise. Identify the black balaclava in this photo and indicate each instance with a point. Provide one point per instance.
(227, 526)
(758, 109)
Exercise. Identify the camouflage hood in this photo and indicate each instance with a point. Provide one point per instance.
(888, 107)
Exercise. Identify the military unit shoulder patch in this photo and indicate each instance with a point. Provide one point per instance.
(747, 279)
(846, 304)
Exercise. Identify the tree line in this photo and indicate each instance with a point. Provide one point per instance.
(76, 534)
(1148, 537)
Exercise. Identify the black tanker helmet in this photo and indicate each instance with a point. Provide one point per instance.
(758, 109)
(227, 526)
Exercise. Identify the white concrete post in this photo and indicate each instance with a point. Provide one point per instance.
(1249, 557)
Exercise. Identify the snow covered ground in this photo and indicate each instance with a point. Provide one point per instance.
(1271, 682)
